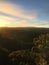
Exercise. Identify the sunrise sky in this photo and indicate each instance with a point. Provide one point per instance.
(24, 13)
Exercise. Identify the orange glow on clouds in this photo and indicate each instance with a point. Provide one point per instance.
(18, 11)
(15, 10)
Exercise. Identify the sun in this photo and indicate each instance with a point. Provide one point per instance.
(2, 23)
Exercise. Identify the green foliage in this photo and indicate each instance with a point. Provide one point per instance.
(40, 44)
(25, 47)
(33, 56)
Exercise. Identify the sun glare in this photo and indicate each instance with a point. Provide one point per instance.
(2, 23)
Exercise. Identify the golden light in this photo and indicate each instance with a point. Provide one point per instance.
(2, 23)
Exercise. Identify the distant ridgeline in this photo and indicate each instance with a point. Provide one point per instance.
(20, 38)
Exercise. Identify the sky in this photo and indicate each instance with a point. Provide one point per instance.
(24, 13)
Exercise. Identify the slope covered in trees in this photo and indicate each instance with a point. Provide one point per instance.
(24, 46)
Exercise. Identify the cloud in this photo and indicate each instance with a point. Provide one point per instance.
(12, 22)
(6, 18)
(14, 15)
(44, 23)
(24, 23)
(5, 21)
(15, 10)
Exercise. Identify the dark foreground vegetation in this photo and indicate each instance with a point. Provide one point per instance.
(24, 46)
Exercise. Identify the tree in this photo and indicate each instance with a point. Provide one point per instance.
(37, 50)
